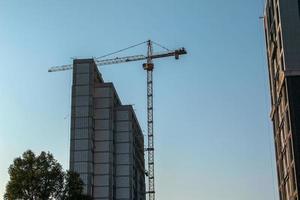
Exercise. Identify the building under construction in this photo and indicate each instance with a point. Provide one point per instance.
(282, 28)
(107, 144)
(106, 141)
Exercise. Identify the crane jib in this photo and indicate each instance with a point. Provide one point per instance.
(117, 60)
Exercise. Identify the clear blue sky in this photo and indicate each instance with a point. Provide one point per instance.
(213, 134)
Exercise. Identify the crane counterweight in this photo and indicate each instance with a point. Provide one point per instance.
(148, 66)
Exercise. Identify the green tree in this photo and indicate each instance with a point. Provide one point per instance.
(41, 178)
(73, 187)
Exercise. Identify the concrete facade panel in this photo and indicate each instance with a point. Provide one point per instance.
(82, 90)
(102, 113)
(82, 79)
(103, 135)
(82, 100)
(123, 170)
(122, 181)
(102, 146)
(80, 156)
(123, 159)
(82, 133)
(102, 157)
(81, 144)
(82, 111)
(102, 169)
(123, 193)
(81, 167)
(122, 115)
(123, 126)
(82, 68)
(102, 124)
(83, 122)
(123, 148)
(102, 92)
(101, 180)
(101, 192)
(103, 103)
(122, 137)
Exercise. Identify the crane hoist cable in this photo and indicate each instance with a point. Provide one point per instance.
(132, 46)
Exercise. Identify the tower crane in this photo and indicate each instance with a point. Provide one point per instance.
(149, 67)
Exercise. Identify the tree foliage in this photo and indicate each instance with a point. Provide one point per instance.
(41, 178)
(73, 187)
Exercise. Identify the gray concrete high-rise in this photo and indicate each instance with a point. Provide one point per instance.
(282, 30)
(107, 144)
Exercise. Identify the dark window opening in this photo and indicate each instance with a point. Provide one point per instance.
(299, 8)
(277, 14)
(282, 62)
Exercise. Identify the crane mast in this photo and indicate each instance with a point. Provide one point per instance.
(148, 66)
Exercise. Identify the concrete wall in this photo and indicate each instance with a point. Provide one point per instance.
(290, 25)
